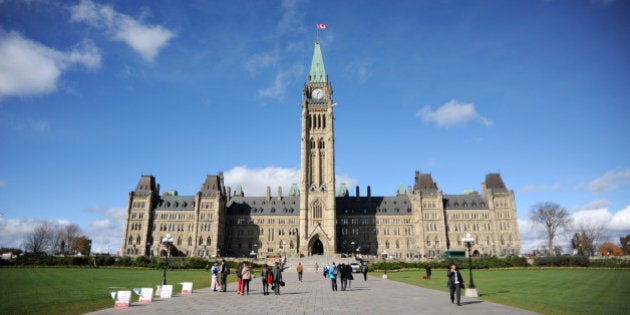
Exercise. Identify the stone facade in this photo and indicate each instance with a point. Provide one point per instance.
(419, 222)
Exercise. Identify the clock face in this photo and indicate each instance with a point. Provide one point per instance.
(318, 94)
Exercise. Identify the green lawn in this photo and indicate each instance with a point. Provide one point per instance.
(547, 291)
(80, 290)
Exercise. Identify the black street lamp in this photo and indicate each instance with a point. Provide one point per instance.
(469, 240)
(167, 241)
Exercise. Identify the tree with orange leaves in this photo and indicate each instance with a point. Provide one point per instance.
(609, 249)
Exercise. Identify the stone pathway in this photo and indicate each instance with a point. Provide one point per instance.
(314, 296)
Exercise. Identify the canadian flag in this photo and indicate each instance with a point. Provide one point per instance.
(322, 26)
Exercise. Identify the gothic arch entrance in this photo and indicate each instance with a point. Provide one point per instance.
(317, 248)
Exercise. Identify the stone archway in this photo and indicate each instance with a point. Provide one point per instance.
(317, 248)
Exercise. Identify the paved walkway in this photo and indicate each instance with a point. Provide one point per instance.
(314, 296)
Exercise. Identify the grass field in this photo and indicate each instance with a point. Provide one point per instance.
(547, 291)
(80, 290)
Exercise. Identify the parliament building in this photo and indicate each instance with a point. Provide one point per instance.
(313, 218)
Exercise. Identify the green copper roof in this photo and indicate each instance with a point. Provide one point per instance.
(318, 73)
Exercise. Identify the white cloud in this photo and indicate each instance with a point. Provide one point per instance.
(452, 114)
(610, 181)
(292, 17)
(593, 213)
(13, 232)
(620, 221)
(277, 90)
(359, 70)
(255, 181)
(106, 232)
(592, 217)
(261, 61)
(30, 68)
(594, 205)
(146, 40)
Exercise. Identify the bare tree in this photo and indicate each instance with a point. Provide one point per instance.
(588, 235)
(69, 235)
(40, 239)
(552, 217)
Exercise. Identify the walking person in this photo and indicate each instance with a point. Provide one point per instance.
(300, 269)
(428, 269)
(343, 275)
(239, 275)
(225, 271)
(364, 270)
(265, 275)
(277, 278)
(455, 283)
(214, 284)
(247, 277)
(349, 276)
(332, 274)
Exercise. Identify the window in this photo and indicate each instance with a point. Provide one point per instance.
(316, 210)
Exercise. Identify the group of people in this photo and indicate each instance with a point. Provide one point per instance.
(245, 273)
(273, 277)
(344, 273)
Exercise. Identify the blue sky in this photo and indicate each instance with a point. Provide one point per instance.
(93, 94)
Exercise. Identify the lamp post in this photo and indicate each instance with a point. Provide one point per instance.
(385, 264)
(471, 291)
(167, 241)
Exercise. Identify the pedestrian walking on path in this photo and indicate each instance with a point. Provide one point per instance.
(247, 277)
(277, 278)
(214, 283)
(333, 271)
(455, 283)
(299, 270)
(225, 271)
(265, 275)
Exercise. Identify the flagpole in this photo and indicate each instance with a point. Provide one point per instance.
(317, 33)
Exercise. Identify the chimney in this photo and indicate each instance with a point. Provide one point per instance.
(369, 193)
(268, 193)
(229, 193)
(358, 195)
(279, 193)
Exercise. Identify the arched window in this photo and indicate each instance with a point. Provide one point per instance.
(190, 241)
(208, 241)
(316, 210)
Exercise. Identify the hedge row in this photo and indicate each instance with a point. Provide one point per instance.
(477, 263)
(97, 261)
(199, 263)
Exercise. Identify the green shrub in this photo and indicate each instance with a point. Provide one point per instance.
(611, 262)
(562, 261)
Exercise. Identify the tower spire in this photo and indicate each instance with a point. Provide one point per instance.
(318, 73)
